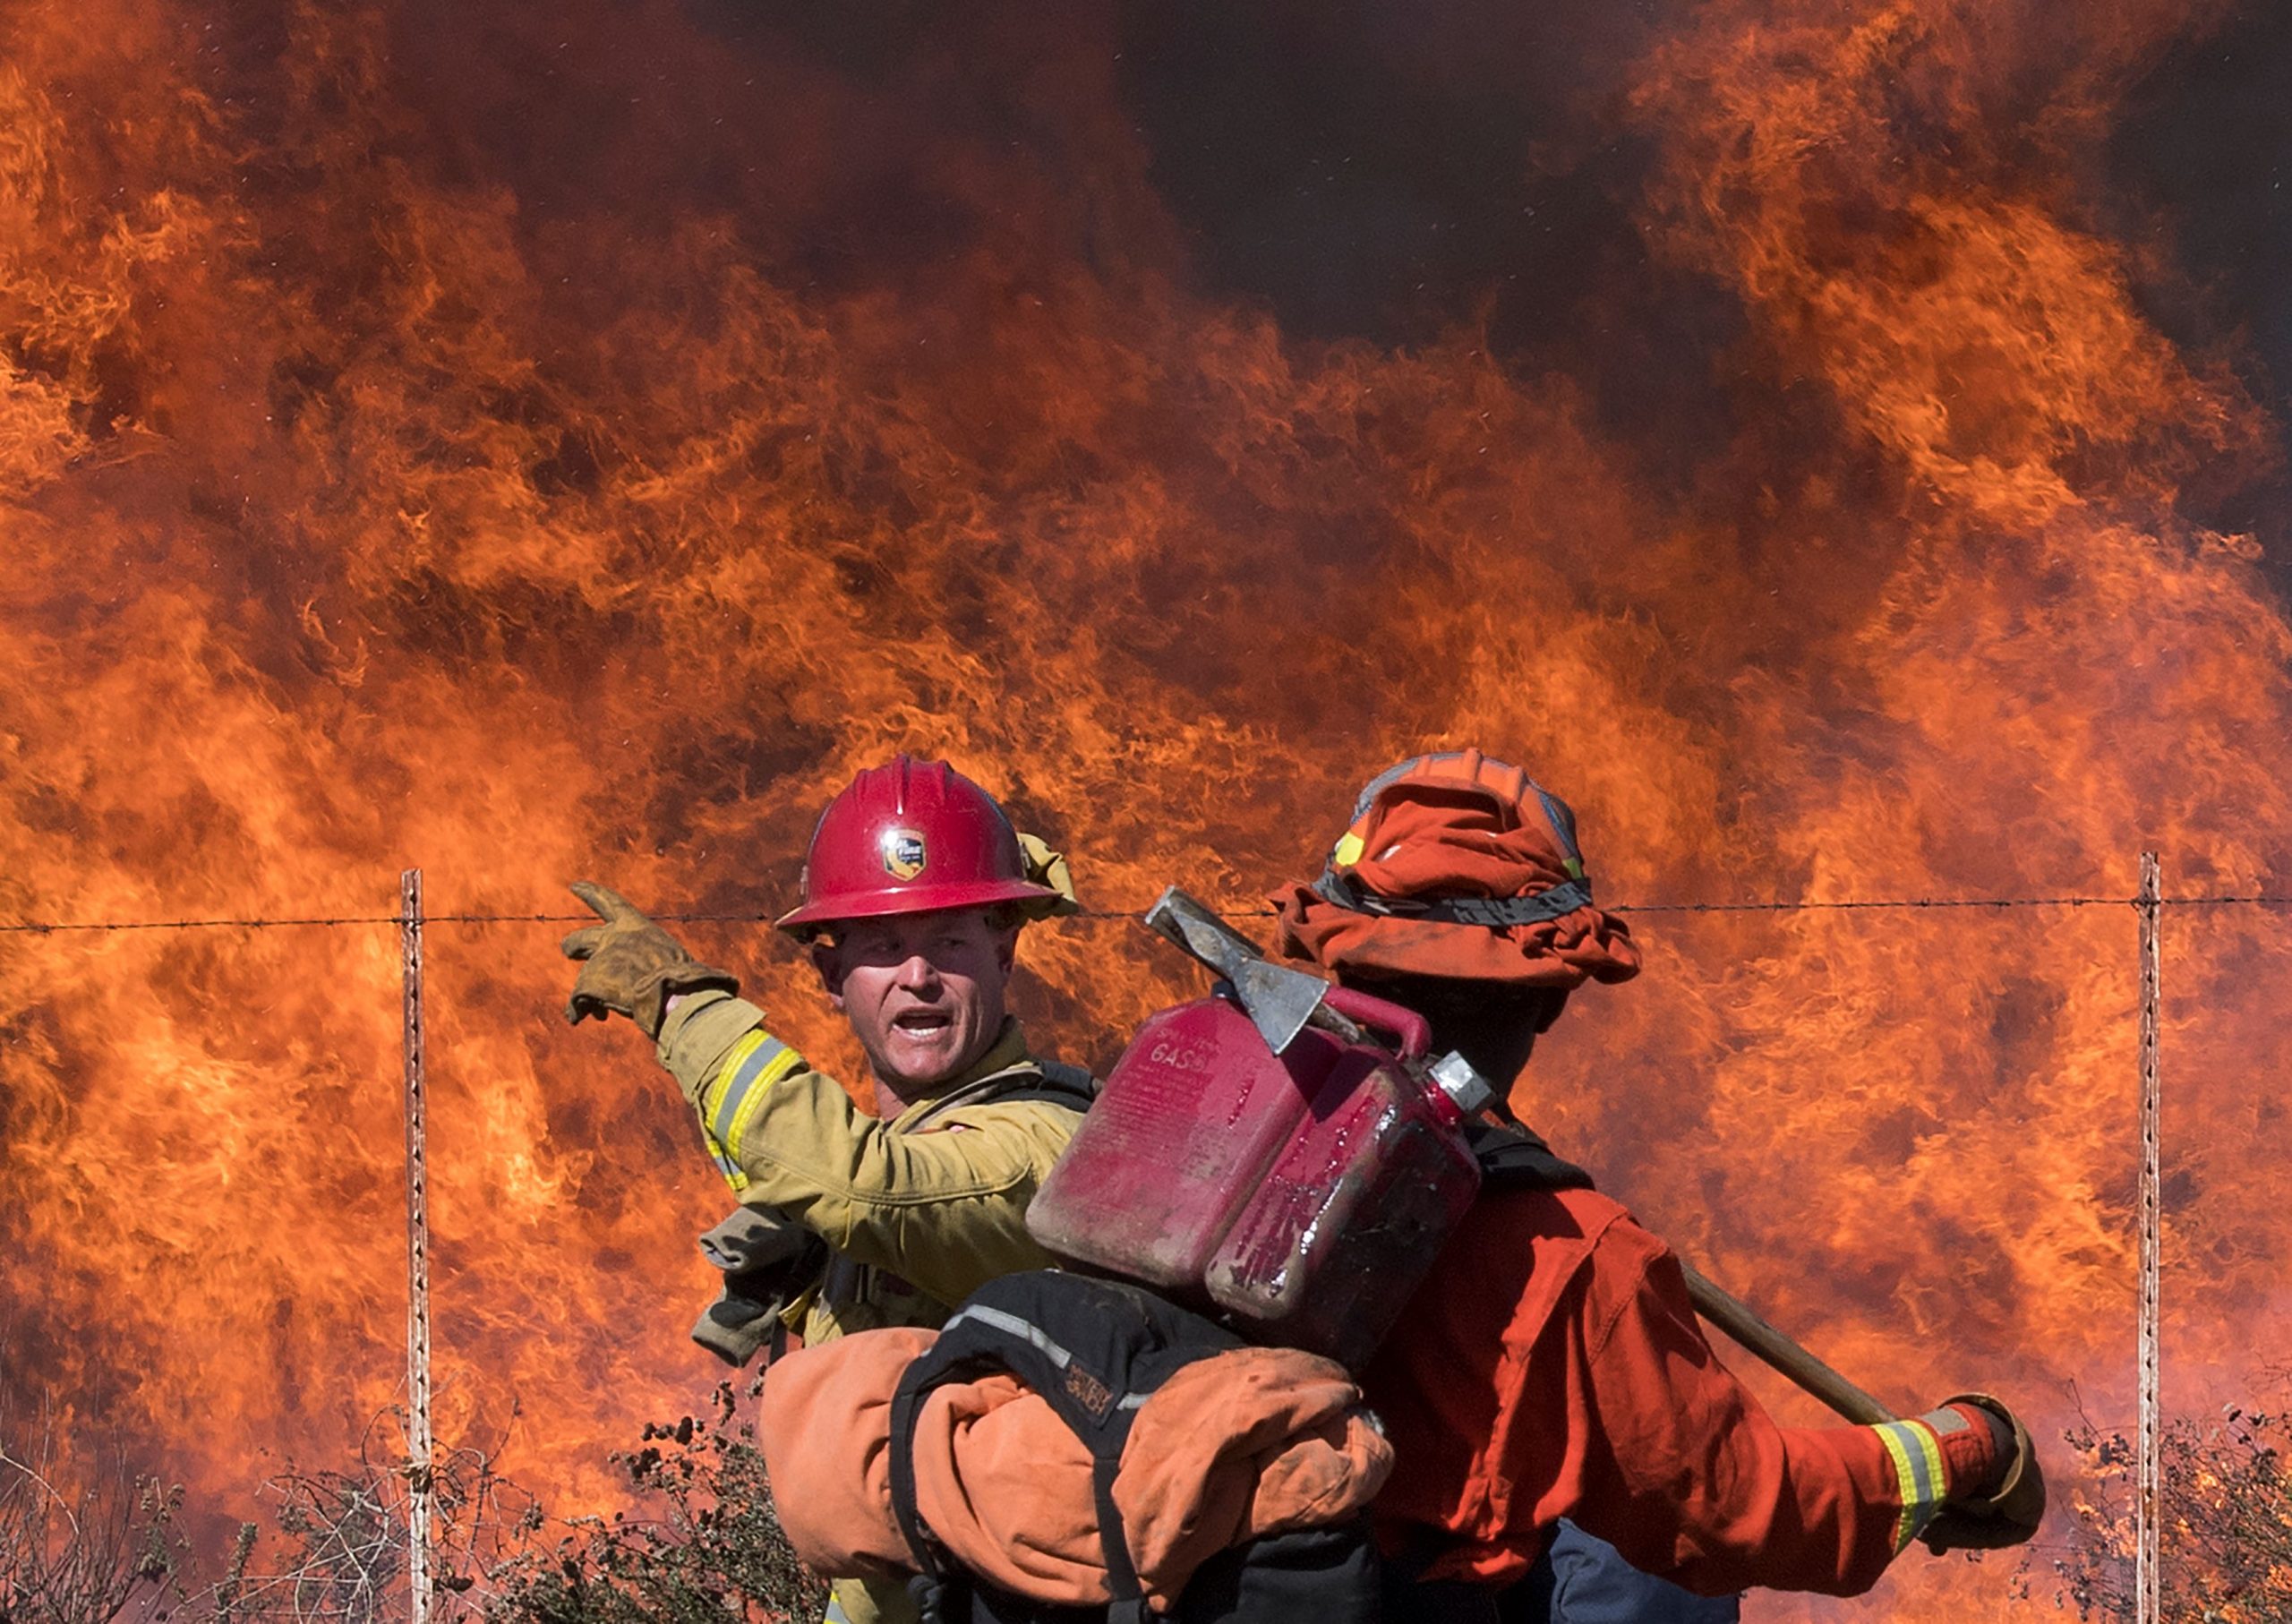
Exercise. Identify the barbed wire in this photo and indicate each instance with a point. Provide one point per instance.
(1254, 911)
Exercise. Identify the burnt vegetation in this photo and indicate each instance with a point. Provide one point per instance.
(699, 1544)
(2224, 1519)
(77, 1557)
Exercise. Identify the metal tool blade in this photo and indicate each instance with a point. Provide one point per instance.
(1278, 1001)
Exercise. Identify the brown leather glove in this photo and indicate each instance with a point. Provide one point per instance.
(2007, 1508)
(631, 964)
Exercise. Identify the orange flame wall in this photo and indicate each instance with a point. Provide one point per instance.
(537, 442)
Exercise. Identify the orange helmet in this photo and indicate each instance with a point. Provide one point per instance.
(1459, 866)
(910, 837)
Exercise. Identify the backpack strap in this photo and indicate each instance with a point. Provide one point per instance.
(1058, 1084)
(1094, 1351)
(1512, 1157)
(842, 1280)
(1049, 1080)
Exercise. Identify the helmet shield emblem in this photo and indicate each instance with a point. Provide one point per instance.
(903, 855)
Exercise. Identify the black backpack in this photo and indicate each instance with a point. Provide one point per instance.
(1514, 1157)
(1094, 1350)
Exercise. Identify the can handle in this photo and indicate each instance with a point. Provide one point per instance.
(1406, 1024)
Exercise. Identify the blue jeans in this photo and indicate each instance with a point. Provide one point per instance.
(1583, 1580)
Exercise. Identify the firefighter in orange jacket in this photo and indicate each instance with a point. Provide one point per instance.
(916, 886)
(1552, 1366)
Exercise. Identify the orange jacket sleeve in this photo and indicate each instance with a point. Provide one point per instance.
(1553, 1367)
(1689, 1477)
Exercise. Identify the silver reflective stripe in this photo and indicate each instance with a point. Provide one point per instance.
(1946, 1421)
(1010, 1324)
(736, 1090)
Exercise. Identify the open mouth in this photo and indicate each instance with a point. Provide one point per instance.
(922, 1022)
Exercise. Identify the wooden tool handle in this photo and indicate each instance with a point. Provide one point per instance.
(1740, 1320)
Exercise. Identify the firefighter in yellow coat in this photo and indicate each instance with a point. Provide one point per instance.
(915, 886)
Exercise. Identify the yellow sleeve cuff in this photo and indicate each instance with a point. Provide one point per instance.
(1917, 1457)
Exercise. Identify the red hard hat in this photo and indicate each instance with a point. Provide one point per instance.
(910, 837)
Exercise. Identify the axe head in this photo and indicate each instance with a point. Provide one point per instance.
(1278, 1000)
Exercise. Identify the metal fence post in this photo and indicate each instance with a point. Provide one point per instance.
(2146, 1576)
(417, 1262)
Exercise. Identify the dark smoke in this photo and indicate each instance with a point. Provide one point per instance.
(2198, 175)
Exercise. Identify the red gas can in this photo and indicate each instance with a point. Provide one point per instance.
(1346, 1224)
(1189, 1118)
(1304, 1194)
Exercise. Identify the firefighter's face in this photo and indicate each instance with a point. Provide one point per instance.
(923, 991)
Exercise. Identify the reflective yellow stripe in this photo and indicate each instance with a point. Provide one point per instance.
(712, 1097)
(725, 1165)
(729, 1104)
(1348, 852)
(1917, 1455)
(779, 1067)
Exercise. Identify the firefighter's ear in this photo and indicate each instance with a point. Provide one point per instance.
(1006, 920)
(828, 960)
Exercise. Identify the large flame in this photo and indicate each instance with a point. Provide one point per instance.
(528, 444)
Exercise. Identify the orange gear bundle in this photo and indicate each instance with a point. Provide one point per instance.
(1448, 839)
(1078, 1443)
